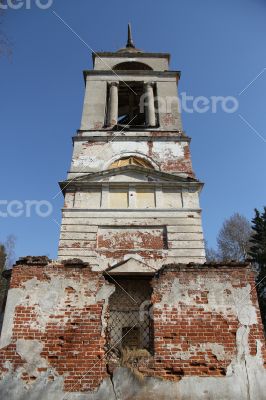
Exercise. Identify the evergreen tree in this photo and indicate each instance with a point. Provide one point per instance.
(2, 258)
(258, 255)
(258, 239)
(3, 282)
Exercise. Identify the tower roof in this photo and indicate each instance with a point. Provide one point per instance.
(130, 51)
(130, 47)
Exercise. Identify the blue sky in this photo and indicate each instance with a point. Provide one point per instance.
(219, 46)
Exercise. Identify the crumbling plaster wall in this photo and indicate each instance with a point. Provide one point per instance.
(169, 156)
(208, 342)
(207, 322)
(54, 328)
(81, 229)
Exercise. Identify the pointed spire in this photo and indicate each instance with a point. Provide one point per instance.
(130, 42)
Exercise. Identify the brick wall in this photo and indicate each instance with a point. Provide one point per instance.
(198, 311)
(205, 319)
(69, 331)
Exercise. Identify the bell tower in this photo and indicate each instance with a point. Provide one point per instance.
(131, 196)
(131, 310)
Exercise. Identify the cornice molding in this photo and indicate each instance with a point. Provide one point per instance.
(165, 74)
(164, 179)
(111, 135)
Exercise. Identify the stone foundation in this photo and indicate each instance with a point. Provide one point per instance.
(208, 341)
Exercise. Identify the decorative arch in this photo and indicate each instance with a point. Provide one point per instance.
(131, 158)
(132, 66)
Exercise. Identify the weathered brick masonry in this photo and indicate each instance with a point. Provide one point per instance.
(59, 314)
(206, 322)
(198, 313)
(113, 318)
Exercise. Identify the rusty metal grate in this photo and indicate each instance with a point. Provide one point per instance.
(127, 329)
(129, 322)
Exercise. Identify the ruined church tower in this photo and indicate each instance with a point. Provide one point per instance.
(130, 309)
(131, 193)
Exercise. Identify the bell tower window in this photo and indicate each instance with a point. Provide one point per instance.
(131, 104)
(129, 100)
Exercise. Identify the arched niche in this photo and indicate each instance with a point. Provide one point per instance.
(132, 66)
(130, 159)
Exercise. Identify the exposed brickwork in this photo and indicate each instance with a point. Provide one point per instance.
(71, 348)
(169, 162)
(169, 119)
(189, 338)
(197, 315)
(120, 254)
(133, 239)
(179, 165)
(172, 163)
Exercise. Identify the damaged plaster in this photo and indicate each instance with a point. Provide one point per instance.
(244, 379)
(48, 299)
(125, 386)
(222, 297)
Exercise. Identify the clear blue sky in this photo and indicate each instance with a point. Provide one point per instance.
(218, 45)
